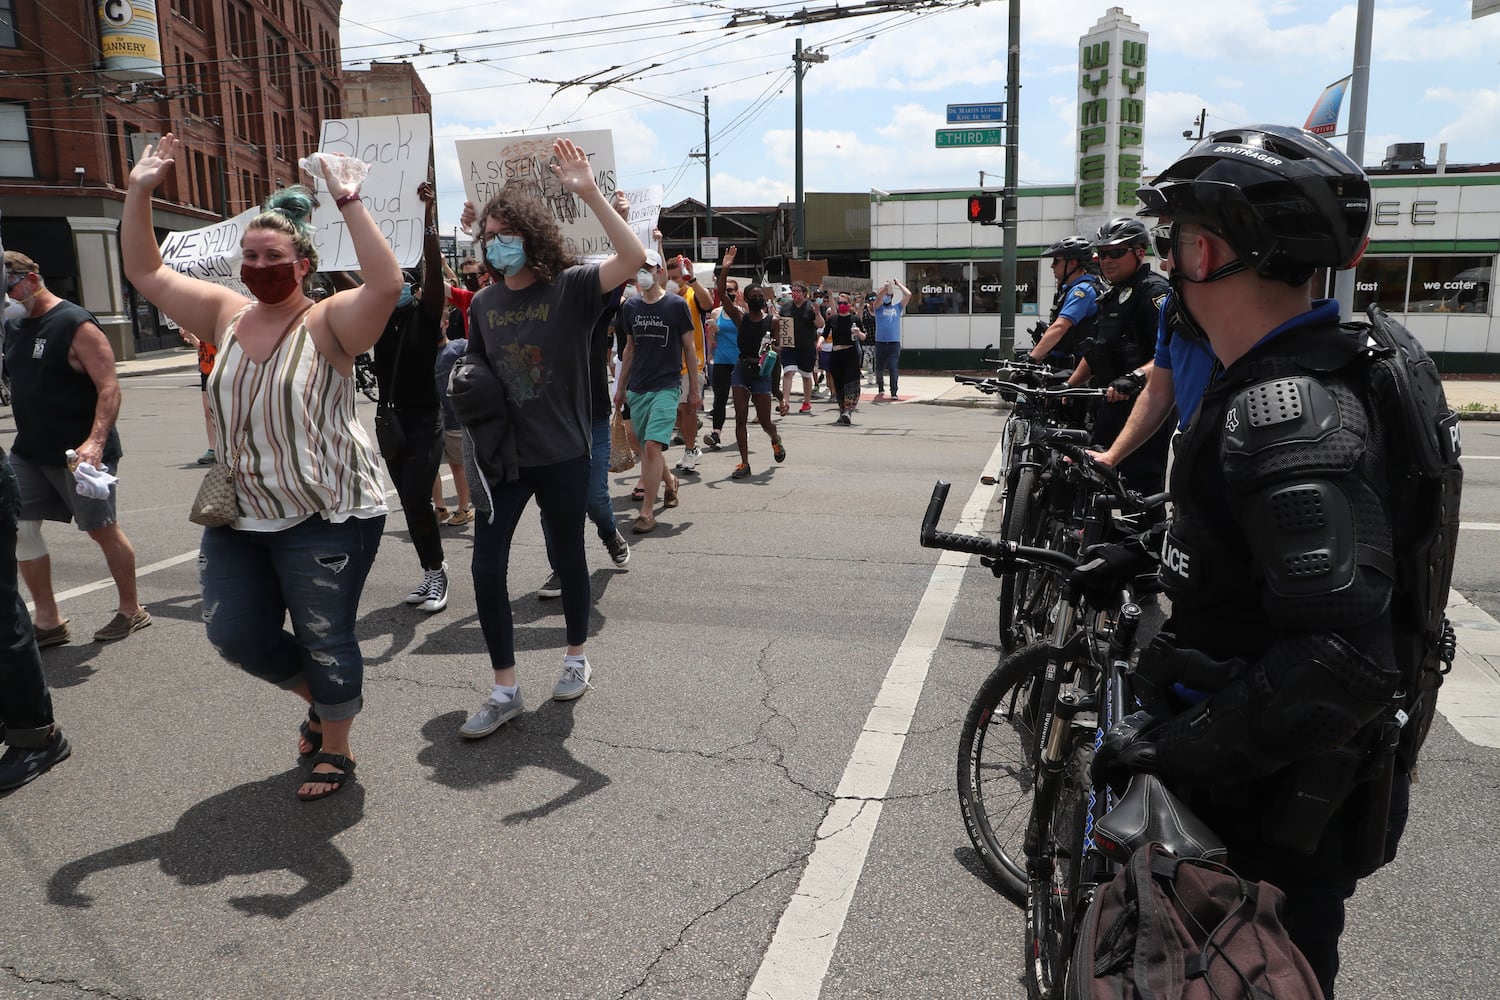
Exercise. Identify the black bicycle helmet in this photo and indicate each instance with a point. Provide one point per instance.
(1285, 200)
(1126, 231)
(1071, 248)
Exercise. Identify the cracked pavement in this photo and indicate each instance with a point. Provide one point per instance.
(641, 842)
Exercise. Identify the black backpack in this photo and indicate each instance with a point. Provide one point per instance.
(1426, 481)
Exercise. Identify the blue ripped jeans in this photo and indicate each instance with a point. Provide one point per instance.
(313, 571)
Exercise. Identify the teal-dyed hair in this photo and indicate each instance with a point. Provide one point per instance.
(289, 210)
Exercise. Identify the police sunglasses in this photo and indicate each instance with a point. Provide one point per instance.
(1114, 253)
(1164, 237)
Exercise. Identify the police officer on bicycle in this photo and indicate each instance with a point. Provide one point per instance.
(1075, 307)
(1124, 347)
(1279, 557)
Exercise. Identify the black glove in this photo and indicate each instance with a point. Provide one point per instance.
(1129, 385)
(1127, 748)
(1108, 567)
(1024, 354)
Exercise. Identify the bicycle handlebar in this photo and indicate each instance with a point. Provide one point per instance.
(1127, 500)
(978, 545)
(991, 386)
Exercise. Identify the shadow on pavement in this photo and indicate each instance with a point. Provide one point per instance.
(256, 827)
(536, 738)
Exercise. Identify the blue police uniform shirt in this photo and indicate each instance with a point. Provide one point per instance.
(1191, 363)
(1081, 300)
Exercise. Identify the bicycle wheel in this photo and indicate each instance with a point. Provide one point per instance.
(1053, 900)
(1013, 528)
(996, 772)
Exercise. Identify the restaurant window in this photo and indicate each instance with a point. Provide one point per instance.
(938, 289)
(987, 287)
(1450, 284)
(1381, 280)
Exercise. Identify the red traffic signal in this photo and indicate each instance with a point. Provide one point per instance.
(981, 208)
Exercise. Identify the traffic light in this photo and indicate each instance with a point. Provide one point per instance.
(981, 208)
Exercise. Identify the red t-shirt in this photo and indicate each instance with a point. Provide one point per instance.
(460, 299)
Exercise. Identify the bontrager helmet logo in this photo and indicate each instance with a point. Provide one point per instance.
(1247, 152)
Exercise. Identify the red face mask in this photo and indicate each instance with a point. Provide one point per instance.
(270, 284)
(844, 308)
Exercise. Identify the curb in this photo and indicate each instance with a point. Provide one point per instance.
(190, 365)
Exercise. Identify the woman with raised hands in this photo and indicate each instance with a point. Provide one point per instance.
(308, 484)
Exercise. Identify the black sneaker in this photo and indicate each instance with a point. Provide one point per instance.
(619, 550)
(437, 590)
(21, 764)
(552, 588)
(712, 442)
(844, 419)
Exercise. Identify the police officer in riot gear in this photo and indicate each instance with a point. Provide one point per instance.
(1124, 346)
(1075, 306)
(1279, 558)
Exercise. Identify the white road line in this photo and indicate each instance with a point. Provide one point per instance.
(1478, 526)
(1470, 696)
(797, 959)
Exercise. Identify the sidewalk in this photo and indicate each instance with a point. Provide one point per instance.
(933, 388)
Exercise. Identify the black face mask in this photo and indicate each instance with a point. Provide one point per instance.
(471, 282)
(754, 303)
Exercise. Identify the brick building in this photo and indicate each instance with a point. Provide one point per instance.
(244, 84)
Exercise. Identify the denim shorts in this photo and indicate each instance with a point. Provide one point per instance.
(654, 413)
(757, 383)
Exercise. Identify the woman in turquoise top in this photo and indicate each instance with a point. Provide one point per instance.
(724, 352)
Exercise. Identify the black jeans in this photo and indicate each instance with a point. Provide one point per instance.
(413, 469)
(719, 377)
(25, 704)
(561, 491)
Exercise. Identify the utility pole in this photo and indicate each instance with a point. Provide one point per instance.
(1008, 197)
(800, 62)
(708, 180)
(708, 184)
(1354, 145)
(1202, 122)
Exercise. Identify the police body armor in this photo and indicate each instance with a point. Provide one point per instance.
(1081, 335)
(1127, 320)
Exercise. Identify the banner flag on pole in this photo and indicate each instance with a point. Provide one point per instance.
(1324, 119)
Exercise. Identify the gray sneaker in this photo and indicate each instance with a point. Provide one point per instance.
(574, 680)
(619, 549)
(490, 717)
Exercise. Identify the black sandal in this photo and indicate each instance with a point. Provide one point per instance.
(335, 778)
(314, 738)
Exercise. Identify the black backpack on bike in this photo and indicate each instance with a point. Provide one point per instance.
(1168, 928)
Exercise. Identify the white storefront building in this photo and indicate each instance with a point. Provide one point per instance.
(1433, 241)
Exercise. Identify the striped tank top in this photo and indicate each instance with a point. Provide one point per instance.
(302, 449)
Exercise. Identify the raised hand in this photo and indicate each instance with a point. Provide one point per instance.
(571, 167)
(155, 164)
(621, 205)
(337, 186)
(730, 254)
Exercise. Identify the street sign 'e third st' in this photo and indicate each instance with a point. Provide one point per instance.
(954, 138)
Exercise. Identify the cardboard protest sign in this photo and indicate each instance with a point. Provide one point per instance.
(854, 286)
(811, 272)
(211, 253)
(489, 165)
(398, 149)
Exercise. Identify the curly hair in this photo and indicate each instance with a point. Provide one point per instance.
(289, 210)
(546, 251)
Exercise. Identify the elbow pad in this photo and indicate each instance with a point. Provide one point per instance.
(1308, 695)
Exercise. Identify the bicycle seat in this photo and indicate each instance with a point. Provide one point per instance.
(1148, 813)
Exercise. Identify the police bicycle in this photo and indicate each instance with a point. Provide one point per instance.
(998, 744)
(1032, 472)
(1027, 795)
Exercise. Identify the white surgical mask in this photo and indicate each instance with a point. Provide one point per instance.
(645, 280)
(673, 288)
(629, 293)
(13, 310)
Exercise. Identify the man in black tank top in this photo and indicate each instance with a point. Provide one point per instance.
(33, 741)
(65, 397)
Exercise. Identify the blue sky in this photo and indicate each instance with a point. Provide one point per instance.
(871, 110)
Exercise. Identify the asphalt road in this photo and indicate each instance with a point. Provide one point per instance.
(651, 840)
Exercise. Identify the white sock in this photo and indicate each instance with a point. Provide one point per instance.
(501, 692)
(578, 658)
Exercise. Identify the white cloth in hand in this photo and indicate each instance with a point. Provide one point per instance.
(92, 482)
